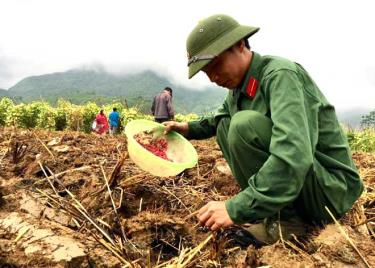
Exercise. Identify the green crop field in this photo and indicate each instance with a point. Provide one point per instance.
(67, 116)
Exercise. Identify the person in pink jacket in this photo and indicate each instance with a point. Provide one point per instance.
(101, 123)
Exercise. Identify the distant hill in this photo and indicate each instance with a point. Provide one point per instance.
(3, 92)
(80, 86)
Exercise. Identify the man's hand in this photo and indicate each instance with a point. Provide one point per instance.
(214, 215)
(182, 128)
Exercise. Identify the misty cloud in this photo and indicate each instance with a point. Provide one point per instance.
(113, 37)
(370, 72)
(5, 71)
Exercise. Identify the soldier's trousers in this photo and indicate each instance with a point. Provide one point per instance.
(251, 150)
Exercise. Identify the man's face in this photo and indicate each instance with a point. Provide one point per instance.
(226, 70)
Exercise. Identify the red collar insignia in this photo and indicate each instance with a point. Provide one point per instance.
(251, 88)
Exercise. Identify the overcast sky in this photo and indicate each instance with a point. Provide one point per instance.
(333, 40)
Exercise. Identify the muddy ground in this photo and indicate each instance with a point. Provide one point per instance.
(56, 210)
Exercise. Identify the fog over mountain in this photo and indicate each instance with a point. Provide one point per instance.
(97, 84)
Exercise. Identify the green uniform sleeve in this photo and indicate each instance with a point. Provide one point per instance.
(205, 127)
(279, 181)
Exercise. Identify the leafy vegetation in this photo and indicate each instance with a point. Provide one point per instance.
(368, 120)
(67, 115)
(362, 140)
(5, 106)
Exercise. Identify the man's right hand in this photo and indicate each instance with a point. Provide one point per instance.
(182, 128)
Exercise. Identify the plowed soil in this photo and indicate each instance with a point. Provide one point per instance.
(56, 210)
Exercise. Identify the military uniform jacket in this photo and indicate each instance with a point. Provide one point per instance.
(306, 135)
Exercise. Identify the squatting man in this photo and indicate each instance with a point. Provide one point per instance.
(278, 133)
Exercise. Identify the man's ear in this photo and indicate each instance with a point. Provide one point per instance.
(240, 45)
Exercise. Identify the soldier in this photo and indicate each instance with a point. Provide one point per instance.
(278, 133)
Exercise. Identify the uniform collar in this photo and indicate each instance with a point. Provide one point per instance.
(250, 84)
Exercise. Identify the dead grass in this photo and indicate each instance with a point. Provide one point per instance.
(147, 221)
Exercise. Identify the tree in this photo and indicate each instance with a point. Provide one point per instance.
(5, 105)
(368, 120)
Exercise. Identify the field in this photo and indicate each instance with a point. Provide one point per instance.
(56, 210)
(67, 116)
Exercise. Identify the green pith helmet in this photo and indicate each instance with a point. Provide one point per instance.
(211, 37)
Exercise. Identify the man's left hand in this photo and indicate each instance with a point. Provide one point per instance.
(214, 215)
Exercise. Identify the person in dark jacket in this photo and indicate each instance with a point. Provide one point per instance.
(162, 107)
(278, 133)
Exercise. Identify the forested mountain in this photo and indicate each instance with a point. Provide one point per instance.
(3, 92)
(80, 86)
